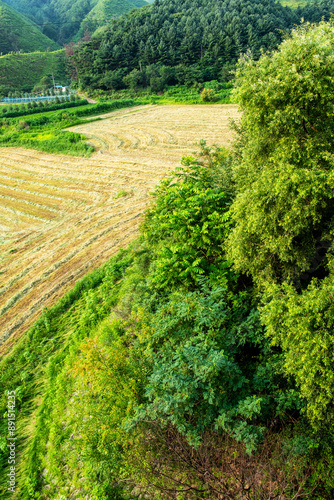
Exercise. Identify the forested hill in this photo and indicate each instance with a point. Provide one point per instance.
(20, 33)
(105, 10)
(63, 20)
(195, 37)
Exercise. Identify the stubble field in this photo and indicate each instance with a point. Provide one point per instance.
(62, 216)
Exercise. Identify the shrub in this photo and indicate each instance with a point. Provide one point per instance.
(23, 125)
(208, 95)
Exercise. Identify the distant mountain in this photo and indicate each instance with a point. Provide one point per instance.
(18, 33)
(64, 20)
(38, 11)
(104, 10)
(76, 16)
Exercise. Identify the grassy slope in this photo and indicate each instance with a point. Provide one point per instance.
(293, 4)
(40, 356)
(39, 359)
(20, 33)
(104, 10)
(22, 71)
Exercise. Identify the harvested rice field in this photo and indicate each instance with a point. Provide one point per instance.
(63, 216)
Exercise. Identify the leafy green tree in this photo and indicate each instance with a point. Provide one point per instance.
(201, 374)
(283, 213)
(113, 79)
(133, 79)
(43, 85)
(211, 364)
(188, 224)
(3, 90)
(302, 325)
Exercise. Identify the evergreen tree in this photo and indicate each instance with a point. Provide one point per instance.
(210, 33)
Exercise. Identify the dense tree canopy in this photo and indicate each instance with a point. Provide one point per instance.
(284, 209)
(196, 38)
(283, 214)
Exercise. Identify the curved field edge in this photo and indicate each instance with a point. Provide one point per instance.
(46, 131)
(66, 216)
(32, 368)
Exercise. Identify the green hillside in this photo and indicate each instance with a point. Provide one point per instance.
(38, 10)
(20, 34)
(197, 363)
(104, 10)
(23, 71)
(80, 15)
(61, 19)
(186, 42)
(294, 3)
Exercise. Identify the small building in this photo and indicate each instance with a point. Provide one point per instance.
(58, 88)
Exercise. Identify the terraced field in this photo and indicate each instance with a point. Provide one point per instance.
(60, 216)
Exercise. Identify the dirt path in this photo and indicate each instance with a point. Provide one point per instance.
(91, 101)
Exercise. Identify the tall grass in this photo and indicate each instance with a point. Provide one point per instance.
(35, 362)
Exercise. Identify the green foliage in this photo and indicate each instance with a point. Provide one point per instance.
(106, 380)
(302, 324)
(48, 106)
(178, 94)
(208, 95)
(160, 364)
(125, 359)
(198, 341)
(188, 224)
(284, 208)
(105, 107)
(44, 84)
(120, 194)
(182, 42)
(45, 348)
(199, 377)
(43, 131)
(63, 20)
(105, 10)
(23, 71)
(46, 137)
(20, 33)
